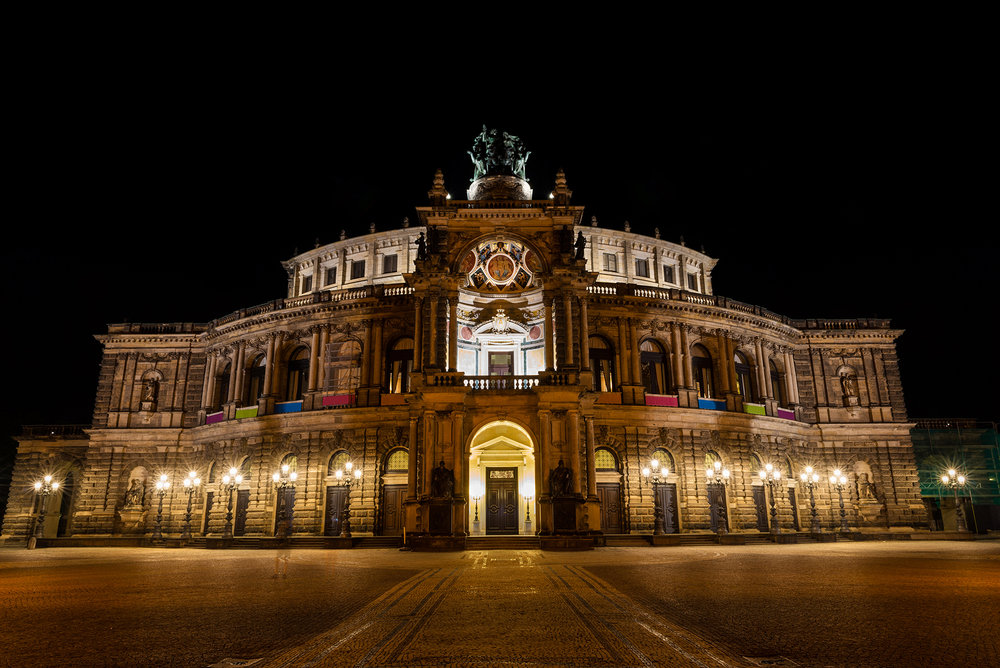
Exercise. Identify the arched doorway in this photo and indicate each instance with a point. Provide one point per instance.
(502, 478)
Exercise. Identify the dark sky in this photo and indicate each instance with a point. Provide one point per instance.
(158, 198)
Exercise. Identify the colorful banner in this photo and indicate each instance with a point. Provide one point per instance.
(712, 404)
(212, 418)
(246, 412)
(786, 414)
(661, 400)
(288, 407)
(333, 400)
(754, 409)
(393, 400)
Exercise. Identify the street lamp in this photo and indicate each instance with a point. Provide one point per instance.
(720, 476)
(772, 478)
(43, 488)
(810, 478)
(191, 484)
(477, 494)
(347, 477)
(283, 482)
(654, 475)
(230, 482)
(955, 480)
(529, 494)
(162, 485)
(839, 482)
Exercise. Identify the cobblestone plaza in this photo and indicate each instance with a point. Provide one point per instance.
(901, 603)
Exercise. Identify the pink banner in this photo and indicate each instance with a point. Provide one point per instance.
(212, 418)
(338, 400)
(661, 400)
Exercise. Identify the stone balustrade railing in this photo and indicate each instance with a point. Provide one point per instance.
(500, 382)
(54, 430)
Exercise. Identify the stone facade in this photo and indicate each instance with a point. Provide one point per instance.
(500, 337)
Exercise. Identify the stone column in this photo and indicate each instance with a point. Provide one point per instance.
(233, 366)
(584, 335)
(432, 360)
(208, 389)
(568, 306)
(763, 374)
(573, 429)
(324, 341)
(430, 448)
(269, 366)
(634, 342)
(591, 464)
(377, 355)
(458, 452)
(453, 332)
(676, 356)
(418, 332)
(411, 471)
(313, 359)
(791, 382)
(688, 358)
(544, 454)
(550, 364)
(623, 367)
(725, 362)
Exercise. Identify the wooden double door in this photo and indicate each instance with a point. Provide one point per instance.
(666, 498)
(501, 501)
(610, 496)
(336, 497)
(393, 517)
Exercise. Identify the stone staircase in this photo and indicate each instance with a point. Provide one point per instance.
(378, 542)
(502, 543)
(626, 540)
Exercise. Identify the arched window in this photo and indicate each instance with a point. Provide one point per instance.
(788, 469)
(211, 472)
(343, 360)
(602, 361)
(710, 458)
(399, 366)
(704, 377)
(298, 374)
(255, 379)
(777, 384)
(756, 465)
(664, 458)
(605, 460)
(397, 461)
(653, 362)
(337, 462)
(291, 460)
(222, 386)
(744, 377)
(245, 469)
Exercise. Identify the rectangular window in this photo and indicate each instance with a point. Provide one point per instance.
(693, 282)
(357, 269)
(389, 264)
(331, 275)
(611, 262)
(307, 284)
(668, 273)
(642, 268)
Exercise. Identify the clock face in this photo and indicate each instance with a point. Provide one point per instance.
(501, 266)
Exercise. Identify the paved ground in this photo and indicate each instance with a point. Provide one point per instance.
(867, 604)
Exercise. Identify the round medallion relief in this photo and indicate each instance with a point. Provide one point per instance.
(534, 332)
(500, 268)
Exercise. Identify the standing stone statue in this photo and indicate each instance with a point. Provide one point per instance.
(421, 247)
(581, 245)
(559, 481)
(849, 384)
(442, 482)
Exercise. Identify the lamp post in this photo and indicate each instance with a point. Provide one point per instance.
(43, 488)
(772, 477)
(347, 477)
(720, 476)
(476, 495)
(192, 483)
(810, 478)
(230, 482)
(839, 482)
(283, 482)
(529, 494)
(162, 485)
(653, 476)
(956, 480)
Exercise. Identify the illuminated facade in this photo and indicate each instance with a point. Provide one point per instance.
(503, 367)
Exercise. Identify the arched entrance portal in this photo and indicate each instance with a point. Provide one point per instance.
(502, 477)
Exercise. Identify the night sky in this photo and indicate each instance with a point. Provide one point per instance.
(164, 200)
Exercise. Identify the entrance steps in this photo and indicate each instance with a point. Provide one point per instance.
(502, 543)
(373, 542)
